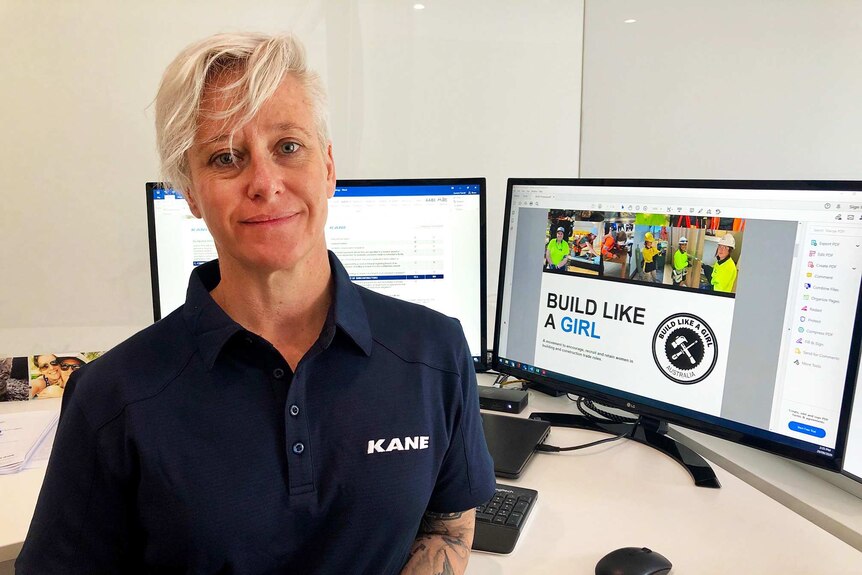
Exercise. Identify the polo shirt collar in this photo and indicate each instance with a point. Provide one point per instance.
(208, 322)
(350, 315)
(213, 328)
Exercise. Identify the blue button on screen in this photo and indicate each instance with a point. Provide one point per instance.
(806, 429)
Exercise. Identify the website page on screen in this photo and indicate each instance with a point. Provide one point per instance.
(419, 243)
(729, 303)
(182, 243)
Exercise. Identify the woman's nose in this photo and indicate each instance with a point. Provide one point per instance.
(264, 178)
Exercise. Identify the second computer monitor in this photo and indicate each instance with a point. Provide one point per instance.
(418, 240)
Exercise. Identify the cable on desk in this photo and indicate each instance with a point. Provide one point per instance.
(503, 380)
(583, 404)
(545, 448)
(514, 381)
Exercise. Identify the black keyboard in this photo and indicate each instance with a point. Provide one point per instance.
(499, 521)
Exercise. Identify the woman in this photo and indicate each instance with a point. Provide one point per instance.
(49, 375)
(557, 251)
(649, 253)
(259, 427)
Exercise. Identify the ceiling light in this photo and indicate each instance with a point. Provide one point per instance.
(629, 21)
(419, 6)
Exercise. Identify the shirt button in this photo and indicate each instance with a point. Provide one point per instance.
(298, 448)
(294, 410)
(278, 373)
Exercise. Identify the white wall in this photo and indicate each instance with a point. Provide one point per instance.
(723, 89)
(485, 88)
(481, 88)
(731, 89)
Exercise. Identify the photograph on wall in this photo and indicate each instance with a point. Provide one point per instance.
(49, 372)
(14, 379)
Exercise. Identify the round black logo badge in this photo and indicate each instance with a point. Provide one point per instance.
(684, 348)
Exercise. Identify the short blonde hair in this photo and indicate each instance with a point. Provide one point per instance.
(261, 61)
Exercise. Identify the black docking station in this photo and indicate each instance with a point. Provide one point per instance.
(501, 399)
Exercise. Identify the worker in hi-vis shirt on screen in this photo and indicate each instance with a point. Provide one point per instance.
(557, 253)
(681, 263)
(649, 253)
(724, 271)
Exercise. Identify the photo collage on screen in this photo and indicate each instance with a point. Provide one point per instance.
(680, 251)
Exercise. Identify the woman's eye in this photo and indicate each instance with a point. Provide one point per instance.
(224, 159)
(289, 147)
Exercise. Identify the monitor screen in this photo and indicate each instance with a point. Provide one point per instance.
(853, 450)
(418, 240)
(723, 306)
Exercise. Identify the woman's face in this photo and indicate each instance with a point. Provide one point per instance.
(68, 366)
(723, 252)
(263, 193)
(49, 367)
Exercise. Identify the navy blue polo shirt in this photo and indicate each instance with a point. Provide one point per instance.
(193, 448)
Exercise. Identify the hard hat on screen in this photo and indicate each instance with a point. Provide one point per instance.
(682, 240)
(649, 237)
(727, 240)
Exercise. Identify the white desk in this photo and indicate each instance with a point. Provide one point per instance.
(626, 494)
(591, 502)
(19, 491)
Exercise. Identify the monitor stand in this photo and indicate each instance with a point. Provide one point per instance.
(648, 431)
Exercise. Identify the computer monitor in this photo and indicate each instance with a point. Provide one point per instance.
(852, 464)
(418, 240)
(747, 333)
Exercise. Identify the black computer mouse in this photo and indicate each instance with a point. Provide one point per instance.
(633, 561)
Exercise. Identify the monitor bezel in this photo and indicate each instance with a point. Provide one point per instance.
(482, 364)
(727, 430)
(151, 236)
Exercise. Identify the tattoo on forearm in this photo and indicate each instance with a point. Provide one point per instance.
(447, 566)
(436, 522)
(442, 544)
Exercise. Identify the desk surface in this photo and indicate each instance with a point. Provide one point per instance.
(19, 491)
(591, 502)
(625, 494)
